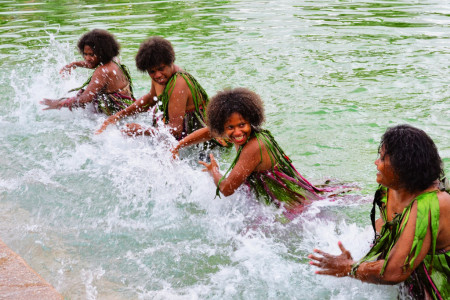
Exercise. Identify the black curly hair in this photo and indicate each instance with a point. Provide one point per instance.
(102, 43)
(154, 52)
(239, 100)
(413, 155)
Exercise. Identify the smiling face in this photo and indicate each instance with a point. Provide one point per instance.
(90, 57)
(161, 74)
(386, 175)
(237, 129)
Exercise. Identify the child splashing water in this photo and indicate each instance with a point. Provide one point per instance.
(109, 87)
(175, 93)
(260, 163)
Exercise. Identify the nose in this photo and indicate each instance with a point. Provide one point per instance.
(237, 131)
(377, 161)
(157, 74)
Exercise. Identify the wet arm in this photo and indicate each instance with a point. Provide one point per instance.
(249, 159)
(177, 106)
(341, 265)
(197, 137)
(98, 82)
(140, 105)
(75, 64)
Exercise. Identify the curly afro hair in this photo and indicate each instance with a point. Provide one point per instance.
(154, 52)
(239, 100)
(413, 155)
(102, 43)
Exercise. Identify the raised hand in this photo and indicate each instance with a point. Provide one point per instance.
(209, 167)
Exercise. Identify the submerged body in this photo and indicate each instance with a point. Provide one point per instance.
(280, 184)
(235, 116)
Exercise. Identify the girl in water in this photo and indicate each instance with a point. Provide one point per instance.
(109, 87)
(260, 163)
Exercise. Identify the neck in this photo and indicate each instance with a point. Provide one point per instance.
(403, 196)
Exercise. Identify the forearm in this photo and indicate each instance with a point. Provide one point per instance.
(216, 175)
(198, 136)
(370, 272)
(225, 187)
(75, 64)
(82, 64)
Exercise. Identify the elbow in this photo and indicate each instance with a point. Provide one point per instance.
(226, 190)
(227, 193)
(393, 279)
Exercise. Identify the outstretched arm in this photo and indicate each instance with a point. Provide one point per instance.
(395, 271)
(69, 67)
(197, 137)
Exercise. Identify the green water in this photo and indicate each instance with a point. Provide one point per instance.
(105, 217)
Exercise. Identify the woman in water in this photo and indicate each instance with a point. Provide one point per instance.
(412, 237)
(237, 115)
(109, 87)
(176, 93)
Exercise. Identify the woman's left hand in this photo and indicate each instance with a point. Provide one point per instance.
(335, 265)
(211, 166)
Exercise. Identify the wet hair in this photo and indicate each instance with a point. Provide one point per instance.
(239, 100)
(102, 43)
(154, 52)
(413, 156)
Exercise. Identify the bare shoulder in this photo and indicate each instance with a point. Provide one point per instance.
(253, 146)
(256, 151)
(444, 201)
(180, 82)
(443, 240)
(105, 70)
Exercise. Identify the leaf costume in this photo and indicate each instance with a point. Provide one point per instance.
(111, 103)
(432, 275)
(282, 185)
(193, 119)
